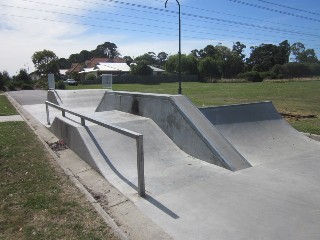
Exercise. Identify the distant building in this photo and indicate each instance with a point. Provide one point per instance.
(75, 68)
(105, 68)
(94, 61)
(63, 73)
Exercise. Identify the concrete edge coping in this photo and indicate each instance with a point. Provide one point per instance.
(312, 136)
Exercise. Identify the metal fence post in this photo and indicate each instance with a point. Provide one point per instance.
(63, 113)
(47, 111)
(83, 123)
(140, 166)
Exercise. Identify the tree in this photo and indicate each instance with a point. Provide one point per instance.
(150, 58)
(265, 56)
(209, 67)
(64, 63)
(302, 54)
(196, 53)
(235, 63)
(23, 76)
(162, 57)
(237, 50)
(141, 68)
(296, 49)
(2, 81)
(188, 64)
(283, 54)
(208, 51)
(107, 50)
(128, 59)
(308, 56)
(75, 58)
(45, 62)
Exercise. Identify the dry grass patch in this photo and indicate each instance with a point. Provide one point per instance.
(37, 200)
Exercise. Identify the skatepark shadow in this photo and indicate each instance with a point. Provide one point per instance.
(148, 198)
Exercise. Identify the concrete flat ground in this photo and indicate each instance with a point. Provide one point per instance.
(277, 198)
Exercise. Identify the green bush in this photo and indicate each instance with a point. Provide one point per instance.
(10, 86)
(241, 76)
(61, 85)
(91, 77)
(314, 69)
(253, 76)
(41, 84)
(1, 84)
(296, 70)
(26, 86)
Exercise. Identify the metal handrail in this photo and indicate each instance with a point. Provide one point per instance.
(137, 136)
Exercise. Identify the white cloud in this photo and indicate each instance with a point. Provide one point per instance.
(23, 31)
(22, 36)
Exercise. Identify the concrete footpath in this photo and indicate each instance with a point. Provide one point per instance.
(11, 118)
(188, 198)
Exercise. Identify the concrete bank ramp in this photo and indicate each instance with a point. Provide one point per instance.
(259, 132)
(114, 155)
(76, 99)
(182, 122)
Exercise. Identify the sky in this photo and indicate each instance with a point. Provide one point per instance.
(138, 27)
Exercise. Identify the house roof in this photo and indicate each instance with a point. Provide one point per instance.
(63, 71)
(75, 67)
(156, 69)
(94, 61)
(112, 66)
(88, 70)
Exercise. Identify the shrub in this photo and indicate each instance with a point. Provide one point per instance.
(26, 86)
(10, 86)
(1, 83)
(241, 76)
(61, 85)
(141, 68)
(296, 70)
(91, 77)
(314, 69)
(41, 84)
(253, 76)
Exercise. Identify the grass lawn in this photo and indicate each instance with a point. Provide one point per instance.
(295, 97)
(37, 201)
(5, 107)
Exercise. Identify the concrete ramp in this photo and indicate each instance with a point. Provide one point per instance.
(76, 99)
(182, 122)
(259, 132)
(114, 155)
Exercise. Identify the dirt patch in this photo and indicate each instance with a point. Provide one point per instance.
(297, 117)
(57, 146)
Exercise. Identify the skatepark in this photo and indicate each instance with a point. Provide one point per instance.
(225, 172)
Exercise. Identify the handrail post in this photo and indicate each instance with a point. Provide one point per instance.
(140, 166)
(47, 111)
(63, 113)
(83, 123)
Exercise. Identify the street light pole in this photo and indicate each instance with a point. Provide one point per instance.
(179, 89)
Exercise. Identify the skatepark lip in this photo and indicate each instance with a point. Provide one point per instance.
(277, 198)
